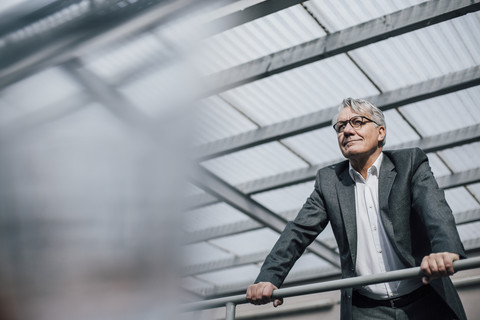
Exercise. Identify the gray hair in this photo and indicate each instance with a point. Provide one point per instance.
(363, 107)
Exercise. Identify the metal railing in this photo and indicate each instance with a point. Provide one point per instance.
(230, 302)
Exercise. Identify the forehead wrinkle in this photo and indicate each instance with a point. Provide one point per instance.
(351, 115)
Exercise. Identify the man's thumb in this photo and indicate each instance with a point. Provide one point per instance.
(277, 302)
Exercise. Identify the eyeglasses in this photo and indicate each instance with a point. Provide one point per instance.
(356, 123)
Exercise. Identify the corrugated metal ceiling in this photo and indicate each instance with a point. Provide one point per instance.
(144, 72)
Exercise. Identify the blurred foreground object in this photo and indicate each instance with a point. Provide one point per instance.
(95, 103)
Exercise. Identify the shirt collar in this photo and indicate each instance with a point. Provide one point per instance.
(374, 169)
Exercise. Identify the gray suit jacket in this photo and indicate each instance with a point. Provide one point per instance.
(415, 215)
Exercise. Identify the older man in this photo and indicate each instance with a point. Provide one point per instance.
(387, 213)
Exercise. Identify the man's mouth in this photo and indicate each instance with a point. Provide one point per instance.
(347, 142)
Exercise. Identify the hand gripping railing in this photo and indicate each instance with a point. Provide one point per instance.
(231, 302)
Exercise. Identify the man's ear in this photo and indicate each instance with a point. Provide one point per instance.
(381, 133)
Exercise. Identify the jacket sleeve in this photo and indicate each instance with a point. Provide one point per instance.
(428, 200)
(296, 236)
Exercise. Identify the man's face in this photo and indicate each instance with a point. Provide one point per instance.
(359, 142)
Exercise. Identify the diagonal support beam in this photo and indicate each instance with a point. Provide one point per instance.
(261, 9)
(222, 190)
(397, 23)
(392, 99)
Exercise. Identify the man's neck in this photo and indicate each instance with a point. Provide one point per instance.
(362, 163)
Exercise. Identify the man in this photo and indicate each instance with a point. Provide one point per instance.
(387, 213)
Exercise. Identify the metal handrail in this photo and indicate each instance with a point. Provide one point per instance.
(232, 301)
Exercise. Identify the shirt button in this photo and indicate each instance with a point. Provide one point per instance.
(374, 227)
(379, 250)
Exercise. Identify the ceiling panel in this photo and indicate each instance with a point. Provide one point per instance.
(249, 242)
(336, 15)
(212, 216)
(469, 231)
(439, 168)
(118, 62)
(258, 38)
(418, 56)
(398, 130)
(460, 200)
(285, 199)
(300, 91)
(215, 119)
(231, 276)
(254, 163)
(202, 252)
(475, 190)
(445, 113)
(461, 158)
(40, 90)
(317, 147)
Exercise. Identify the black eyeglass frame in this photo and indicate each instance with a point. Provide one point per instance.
(355, 126)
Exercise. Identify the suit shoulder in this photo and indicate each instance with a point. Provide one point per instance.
(405, 153)
(335, 169)
(407, 158)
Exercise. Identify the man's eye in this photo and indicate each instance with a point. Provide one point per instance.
(357, 122)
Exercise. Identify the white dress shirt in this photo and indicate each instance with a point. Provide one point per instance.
(375, 253)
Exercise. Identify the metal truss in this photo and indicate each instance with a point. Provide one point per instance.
(230, 195)
(392, 99)
(397, 23)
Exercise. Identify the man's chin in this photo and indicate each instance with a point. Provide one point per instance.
(350, 153)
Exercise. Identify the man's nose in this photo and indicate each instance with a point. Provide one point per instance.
(348, 129)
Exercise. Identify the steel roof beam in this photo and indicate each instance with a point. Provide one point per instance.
(429, 144)
(233, 261)
(468, 216)
(201, 200)
(230, 195)
(294, 279)
(250, 13)
(392, 99)
(397, 23)
(459, 179)
(231, 228)
(463, 217)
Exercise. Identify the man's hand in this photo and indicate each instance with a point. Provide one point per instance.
(261, 293)
(438, 265)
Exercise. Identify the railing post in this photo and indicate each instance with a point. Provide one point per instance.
(230, 311)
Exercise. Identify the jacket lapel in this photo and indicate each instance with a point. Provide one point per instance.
(385, 182)
(346, 199)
